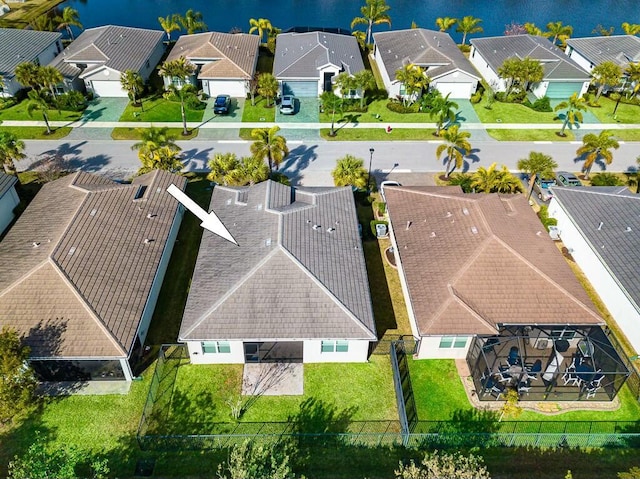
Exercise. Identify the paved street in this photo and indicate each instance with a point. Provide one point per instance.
(311, 161)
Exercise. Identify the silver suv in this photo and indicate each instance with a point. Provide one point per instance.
(541, 188)
(288, 105)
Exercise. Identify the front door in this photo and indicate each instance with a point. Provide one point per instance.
(327, 81)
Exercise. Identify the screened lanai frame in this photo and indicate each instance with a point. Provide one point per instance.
(548, 357)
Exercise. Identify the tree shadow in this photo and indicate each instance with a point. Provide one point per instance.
(298, 159)
(472, 157)
(269, 378)
(196, 159)
(190, 414)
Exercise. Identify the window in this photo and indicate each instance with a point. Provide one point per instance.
(562, 334)
(177, 81)
(457, 342)
(403, 89)
(334, 347)
(216, 347)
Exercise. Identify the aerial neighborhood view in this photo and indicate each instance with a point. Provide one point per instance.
(323, 240)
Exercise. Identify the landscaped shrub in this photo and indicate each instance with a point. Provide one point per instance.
(606, 179)
(541, 104)
(428, 99)
(543, 214)
(476, 97)
(7, 102)
(398, 107)
(465, 48)
(590, 98)
(71, 101)
(463, 180)
(516, 96)
(381, 208)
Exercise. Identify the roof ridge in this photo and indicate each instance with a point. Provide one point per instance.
(459, 299)
(25, 276)
(298, 59)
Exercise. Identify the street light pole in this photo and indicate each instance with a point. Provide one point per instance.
(371, 150)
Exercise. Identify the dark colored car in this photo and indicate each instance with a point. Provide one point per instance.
(222, 104)
(564, 178)
(288, 105)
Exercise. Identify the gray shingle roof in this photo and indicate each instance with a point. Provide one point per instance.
(427, 48)
(620, 49)
(119, 48)
(300, 55)
(557, 65)
(232, 55)
(6, 183)
(475, 262)
(76, 263)
(617, 247)
(19, 46)
(287, 279)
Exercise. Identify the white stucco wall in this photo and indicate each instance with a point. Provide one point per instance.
(429, 348)
(486, 71)
(358, 353)
(392, 89)
(8, 202)
(154, 59)
(11, 86)
(236, 356)
(579, 59)
(621, 307)
(327, 69)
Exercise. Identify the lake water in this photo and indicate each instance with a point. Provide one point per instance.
(223, 15)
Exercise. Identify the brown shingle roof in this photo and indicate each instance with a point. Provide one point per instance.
(77, 259)
(475, 262)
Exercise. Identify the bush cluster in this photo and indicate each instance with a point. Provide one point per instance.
(70, 101)
(399, 107)
(541, 104)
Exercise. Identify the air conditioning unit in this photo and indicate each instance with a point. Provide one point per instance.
(542, 343)
(554, 233)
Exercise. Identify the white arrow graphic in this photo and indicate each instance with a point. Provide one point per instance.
(210, 221)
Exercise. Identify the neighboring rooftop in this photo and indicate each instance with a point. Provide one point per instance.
(475, 262)
(77, 267)
(609, 220)
(228, 55)
(302, 55)
(434, 51)
(298, 272)
(19, 46)
(6, 183)
(620, 49)
(118, 48)
(557, 65)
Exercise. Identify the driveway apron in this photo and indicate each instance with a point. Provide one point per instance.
(100, 109)
(308, 111)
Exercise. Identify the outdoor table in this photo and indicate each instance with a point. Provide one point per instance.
(585, 372)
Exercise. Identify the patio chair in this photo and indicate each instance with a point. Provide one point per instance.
(496, 392)
(591, 391)
(524, 387)
(533, 370)
(503, 376)
(597, 379)
(570, 377)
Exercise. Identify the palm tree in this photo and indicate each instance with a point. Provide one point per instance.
(49, 77)
(183, 69)
(633, 176)
(537, 165)
(133, 83)
(573, 116)
(345, 82)
(632, 72)
(67, 19)
(491, 180)
(227, 170)
(558, 30)
(630, 28)
(606, 74)
(39, 100)
(456, 146)
(268, 87)
(153, 138)
(11, 150)
(253, 170)
(28, 74)
(43, 23)
(350, 171)
(597, 147)
(192, 22)
(414, 80)
(331, 103)
(260, 25)
(445, 23)
(374, 12)
(531, 29)
(169, 24)
(268, 145)
(443, 110)
(467, 25)
(361, 38)
(162, 158)
(364, 81)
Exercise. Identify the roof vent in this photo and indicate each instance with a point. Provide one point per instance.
(408, 225)
(267, 242)
(228, 201)
(628, 230)
(316, 227)
(93, 212)
(448, 214)
(140, 192)
(148, 240)
(151, 215)
(474, 230)
(36, 244)
(72, 250)
(433, 234)
(331, 229)
(465, 211)
(600, 226)
(259, 206)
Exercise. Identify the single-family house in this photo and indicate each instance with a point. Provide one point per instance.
(599, 227)
(305, 64)
(451, 73)
(19, 46)
(81, 270)
(562, 75)
(96, 59)
(592, 51)
(8, 199)
(483, 280)
(225, 61)
(294, 288)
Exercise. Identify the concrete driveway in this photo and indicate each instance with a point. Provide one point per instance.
(308, 111)
(105, 109)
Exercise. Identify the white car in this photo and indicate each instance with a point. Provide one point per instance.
(387, 183)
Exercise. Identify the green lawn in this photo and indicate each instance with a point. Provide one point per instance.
(624, 114)
(258, 112)
(512, 113)
(345, 390)
(378, 134)
(158, 109)
(530, 135)
(377, 112)
(19, 113)
(122, 133)
(627, 135)
(37, 132)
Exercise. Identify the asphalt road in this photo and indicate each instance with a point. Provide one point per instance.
(310, 162)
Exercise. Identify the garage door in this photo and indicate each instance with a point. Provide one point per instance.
(300, 88)
(563, 89)
(233, 88)
(455, 90)
(108, 88)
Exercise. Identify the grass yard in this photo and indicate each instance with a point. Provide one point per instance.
(378, 134)
(158, 109)
(626, 135)
(530, 135)
(22, 13)
(512, 113)
(19, 113)
(122, 133)
(37, 132)
(624, 114)
(258, 112)
(378, 112)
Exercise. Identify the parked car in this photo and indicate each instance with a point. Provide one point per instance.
(564, 178)
(387, 183)
(222, 104)
(288, 105)
(541, 188)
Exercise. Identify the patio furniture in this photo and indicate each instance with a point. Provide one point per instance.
(524, 387)
(597, 379)
(496, 392)
(532, 372)
(586, 348)
(591, 392)
(571, 378)
(585, 372)
(553, 366)
(503, 375)
(514, 356)
(562, 345)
